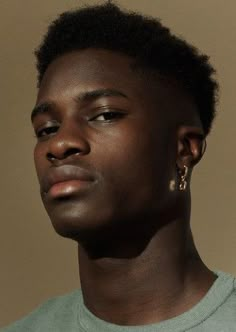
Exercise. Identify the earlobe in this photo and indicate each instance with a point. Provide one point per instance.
(191, 146)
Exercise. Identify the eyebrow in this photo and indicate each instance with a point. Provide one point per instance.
(87, 96)
(40, 109)
(95, 94)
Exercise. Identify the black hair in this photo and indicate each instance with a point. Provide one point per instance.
(144, 38)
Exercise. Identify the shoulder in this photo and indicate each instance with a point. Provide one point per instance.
(50, 315)
(223, 317)
(229, 306)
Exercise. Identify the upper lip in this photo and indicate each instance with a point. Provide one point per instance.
(64, 173)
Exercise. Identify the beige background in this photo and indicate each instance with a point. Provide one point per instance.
(35, 262)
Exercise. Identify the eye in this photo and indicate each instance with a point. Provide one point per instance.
(108, 116)
(46, 131)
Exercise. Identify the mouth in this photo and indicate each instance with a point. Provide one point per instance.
(66, 188)
(64, 181)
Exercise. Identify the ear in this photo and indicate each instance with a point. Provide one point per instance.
(191, 146)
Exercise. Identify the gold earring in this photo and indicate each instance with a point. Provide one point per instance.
(183, 175)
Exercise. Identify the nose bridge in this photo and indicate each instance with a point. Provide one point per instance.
(69, 139)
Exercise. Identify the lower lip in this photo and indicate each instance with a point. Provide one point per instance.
(66, 188)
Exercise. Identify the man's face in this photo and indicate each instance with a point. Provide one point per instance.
(105, 151)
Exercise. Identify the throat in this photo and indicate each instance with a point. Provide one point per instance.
(165, 279)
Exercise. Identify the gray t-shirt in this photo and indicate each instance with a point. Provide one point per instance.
(215, 312)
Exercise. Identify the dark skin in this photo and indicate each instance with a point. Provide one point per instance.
(138, 262)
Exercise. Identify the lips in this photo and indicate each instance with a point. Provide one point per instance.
(64, 179)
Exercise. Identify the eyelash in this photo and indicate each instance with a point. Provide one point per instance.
(48, 130)
(117, 115)
(52, 129)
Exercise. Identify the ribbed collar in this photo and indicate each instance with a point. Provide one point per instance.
(216, 295)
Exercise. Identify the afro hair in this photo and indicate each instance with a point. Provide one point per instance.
(151, 44)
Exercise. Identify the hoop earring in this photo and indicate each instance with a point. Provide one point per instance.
(183, 175)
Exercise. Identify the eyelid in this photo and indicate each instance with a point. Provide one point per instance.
(117, 115)
(45, 124)
(48, 125)
(106, 109)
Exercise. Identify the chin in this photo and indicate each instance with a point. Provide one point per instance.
(80, 223)
(72, 229)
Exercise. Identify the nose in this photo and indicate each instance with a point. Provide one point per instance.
(67, 142)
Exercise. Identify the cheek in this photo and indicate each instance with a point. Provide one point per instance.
(147, 162)
(134, 163)
(39, 160)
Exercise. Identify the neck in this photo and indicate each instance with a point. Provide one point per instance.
(167, 278)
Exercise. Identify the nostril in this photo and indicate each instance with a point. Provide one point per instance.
(68, 153)
(50, 156)
(71, 152)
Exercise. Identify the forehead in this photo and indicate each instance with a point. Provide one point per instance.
(92, 69)
(88, 69)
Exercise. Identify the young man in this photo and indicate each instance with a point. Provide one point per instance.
(121, 117)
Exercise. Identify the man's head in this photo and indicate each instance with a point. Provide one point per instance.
(159, 98)
(146, 40)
